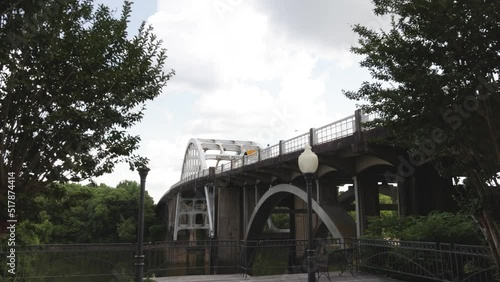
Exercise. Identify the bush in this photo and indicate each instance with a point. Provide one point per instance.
(435, 227)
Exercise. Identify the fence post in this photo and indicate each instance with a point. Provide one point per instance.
(243, 258)
(313, 138)
(358, 130)
(357, 252)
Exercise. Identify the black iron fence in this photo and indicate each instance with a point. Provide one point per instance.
(115, 262)
(269, 257)
(176, 258)
(428, 261)
(95, 262)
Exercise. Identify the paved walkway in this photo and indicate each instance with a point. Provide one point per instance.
(285, 277)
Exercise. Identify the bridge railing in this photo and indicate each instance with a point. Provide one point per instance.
(330, 132)
(426, 260)
(367, 118)
(294, 144)
(336, 130)
(250, 159)
(269, 152)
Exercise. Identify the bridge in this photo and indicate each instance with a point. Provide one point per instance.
(230, 189)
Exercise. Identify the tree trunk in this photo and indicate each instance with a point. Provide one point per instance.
(492, 235)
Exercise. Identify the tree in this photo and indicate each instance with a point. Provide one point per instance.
(437, 226)
(71, 83)
(73, 213)
(436, 73)
(67, 206)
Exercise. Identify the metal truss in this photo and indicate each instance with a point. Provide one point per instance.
(200, 152)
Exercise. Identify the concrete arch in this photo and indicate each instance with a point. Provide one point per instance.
(337, 220)
(364, 162)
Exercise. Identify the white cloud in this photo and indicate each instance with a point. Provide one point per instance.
(165, 157)
(325, 26)
(256, 70)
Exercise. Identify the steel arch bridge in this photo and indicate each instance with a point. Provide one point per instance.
(200, 152)
(231, 187)
(196, 212)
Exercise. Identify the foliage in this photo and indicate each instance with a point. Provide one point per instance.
(71, 82)
(436, 73)
(269, 261)
(34, 233)
(384, 199)
(82, 214)
(281, 220)
(436, 227)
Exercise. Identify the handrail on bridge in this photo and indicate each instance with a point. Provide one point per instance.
(330, 132)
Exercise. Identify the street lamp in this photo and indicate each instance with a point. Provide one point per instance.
(139, 274)
(308, 163)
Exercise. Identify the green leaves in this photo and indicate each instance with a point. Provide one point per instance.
(436, 69)
(436, 227)
(436, 88)
(71, 82)
(72, 213)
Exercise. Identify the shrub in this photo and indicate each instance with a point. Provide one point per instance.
(435, 227)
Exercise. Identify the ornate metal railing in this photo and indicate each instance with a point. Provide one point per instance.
(271, 257)
(115, 262)
(427, 260)
(330, 132)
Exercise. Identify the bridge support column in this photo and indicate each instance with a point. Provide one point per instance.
(171, 209)
(177, 215)
(229, 221)
(407, 198)
(328, 191)
(300, 219)
(229, 212)
(433, 192)
(424, 191)
(300, 225)
(367, 201)
(249, 202)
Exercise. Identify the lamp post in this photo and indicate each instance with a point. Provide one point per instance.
(308, 164)
(139, 274)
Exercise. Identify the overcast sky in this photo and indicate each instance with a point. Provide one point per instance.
(260, 70)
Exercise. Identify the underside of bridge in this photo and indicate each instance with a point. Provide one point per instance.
(235, 190)
(242, 203)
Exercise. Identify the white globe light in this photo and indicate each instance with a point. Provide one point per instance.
(308, 161)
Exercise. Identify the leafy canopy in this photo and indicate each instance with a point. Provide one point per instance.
(436, 227)
(72, 213)
(71, 82)
(436, 89)
(436, 73)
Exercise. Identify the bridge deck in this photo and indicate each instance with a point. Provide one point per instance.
(285, 277)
